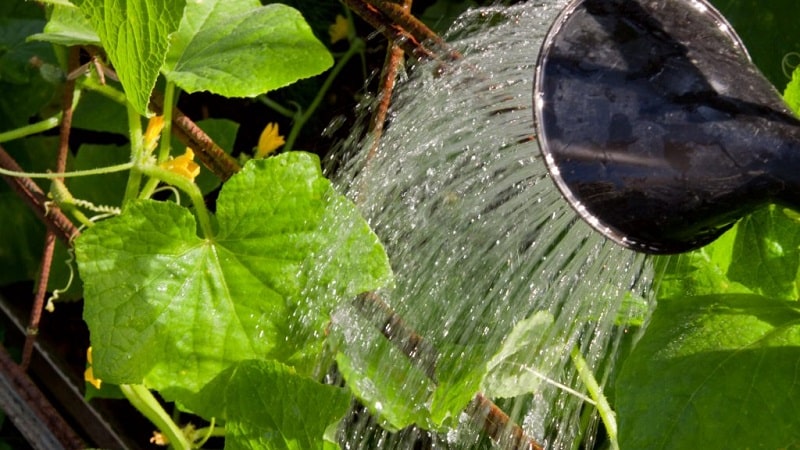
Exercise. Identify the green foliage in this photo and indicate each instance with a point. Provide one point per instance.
(713, 372)
(161, 301)
(67, 26)
(238, 320)
(135, 35)
(268, 387)
(792, 92)
(719, 355)
(25, 90)
(238, 48)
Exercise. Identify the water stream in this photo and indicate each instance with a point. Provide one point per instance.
(481, 242)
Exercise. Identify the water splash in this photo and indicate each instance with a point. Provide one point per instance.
(480, 240)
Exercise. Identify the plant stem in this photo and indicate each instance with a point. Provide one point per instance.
(166, 133)
(143, 400)
(300, 119)
(187, 186)
(166, 138)
(596, 393)
(34, 128)
(277, 107)
(137, 156)
(73, 174)
(105, 90)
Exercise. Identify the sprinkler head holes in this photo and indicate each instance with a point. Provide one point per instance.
(656, 126)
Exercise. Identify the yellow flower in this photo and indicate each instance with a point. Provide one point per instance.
(340, 29)
(153, 132)
(269, 141)
(183, 165)
(88, 375)
(159, 439)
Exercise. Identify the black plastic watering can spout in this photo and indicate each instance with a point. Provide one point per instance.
(656, 126)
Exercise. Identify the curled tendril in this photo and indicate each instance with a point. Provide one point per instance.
(789, 63)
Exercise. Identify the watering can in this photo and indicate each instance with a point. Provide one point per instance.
(656, 126)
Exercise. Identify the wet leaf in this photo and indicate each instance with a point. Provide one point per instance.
(713, 372)
(168, 307)
(135, 35)
(293, 411)
(238, 48)
(395, 390)
(509, 371)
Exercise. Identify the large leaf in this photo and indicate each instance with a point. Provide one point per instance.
(25, 91)
(714, 372)
(238, 48)
(267, 405)
(171, 308)
(135, 34)
(700, 272)
(766, 254)
(67, 26)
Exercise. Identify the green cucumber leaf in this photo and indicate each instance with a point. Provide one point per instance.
(792, 92)
(172, 309)
(391, 387)
(26, 90)
(766, 254)
(266, 404)
(135, 35)
(67, 26)
(713, 372)
(509, 371)
(760, 255)
(238, 48)
(699, 272)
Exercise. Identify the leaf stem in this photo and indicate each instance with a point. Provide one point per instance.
(166, 138)
(277, 107)
(143, 400)
(73, 174)
(596, 393)
(105, 90)
(34, 128)
(137, 155)
(187, 186)
(356, 46)
(207, 433)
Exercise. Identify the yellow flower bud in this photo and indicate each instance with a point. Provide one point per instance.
(88, 375)
(183, 165)
(269, 141)
(339, 30)
(153, 132)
